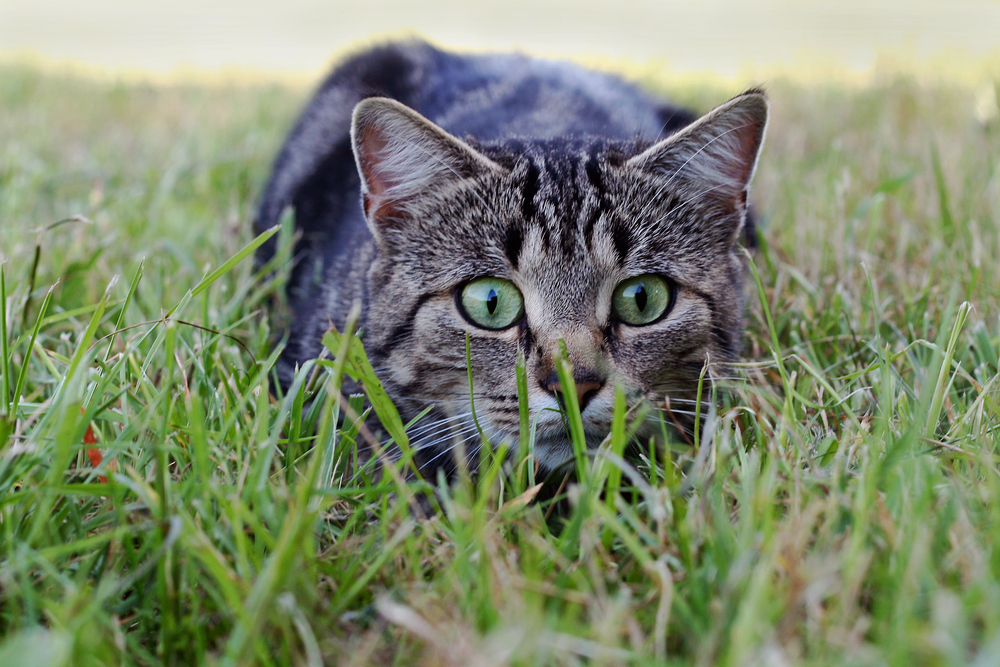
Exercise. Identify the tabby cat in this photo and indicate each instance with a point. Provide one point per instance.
(520, 203)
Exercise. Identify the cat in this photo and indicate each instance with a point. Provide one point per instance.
(524, 204)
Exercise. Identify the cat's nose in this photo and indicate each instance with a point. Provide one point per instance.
(586, 388)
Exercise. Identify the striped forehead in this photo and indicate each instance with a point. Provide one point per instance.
(574, 203)
(561, 202)
(561, 247)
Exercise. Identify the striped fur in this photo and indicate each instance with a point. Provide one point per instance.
(562, 181)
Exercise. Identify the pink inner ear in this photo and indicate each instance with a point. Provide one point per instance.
(372, 148)
(748, 140)
(738, 160)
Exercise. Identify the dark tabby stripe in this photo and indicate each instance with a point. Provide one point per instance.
(402, 331)
(529, 192)
(570, 209)
(594, 173)
(593, 170)
(513, 245)
(719, 332)
(498, 397)
(622, 238)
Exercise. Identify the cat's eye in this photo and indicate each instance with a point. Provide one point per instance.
(491, 303)
(641, 299)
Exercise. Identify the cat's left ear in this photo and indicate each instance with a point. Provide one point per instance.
(402, 159)
(714, 158)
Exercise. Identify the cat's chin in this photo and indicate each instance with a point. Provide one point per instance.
(555, 451)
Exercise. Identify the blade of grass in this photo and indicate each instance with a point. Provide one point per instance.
(124, 307)
(617, 447)
(22, 376)
(947, 221)
(357, 366)
(472, 399)
(228, 265)
(6, 400)
(945, 372)
(295, 534)
(571, 409)
(525, 480)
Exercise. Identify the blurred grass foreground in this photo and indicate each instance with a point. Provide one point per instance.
(162, 503)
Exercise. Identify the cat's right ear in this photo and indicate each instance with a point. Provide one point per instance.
(403, 158)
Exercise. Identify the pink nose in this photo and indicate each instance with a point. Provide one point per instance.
(585, 390)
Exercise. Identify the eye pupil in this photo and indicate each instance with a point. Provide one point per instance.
(640, 298)
(490, 303)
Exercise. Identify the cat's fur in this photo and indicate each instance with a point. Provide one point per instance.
(558, 179)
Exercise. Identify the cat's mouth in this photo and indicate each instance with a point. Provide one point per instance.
(556, 450)
(552, 442)
(552, 445)
(442, 438)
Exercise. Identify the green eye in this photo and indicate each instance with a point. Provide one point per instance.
(642, 299)
(491, 303)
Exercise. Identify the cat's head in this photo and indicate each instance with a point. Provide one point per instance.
(625, 255)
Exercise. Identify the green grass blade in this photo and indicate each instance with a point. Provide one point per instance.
(360, 369)
(22, 376)
(617, 447)
(526, 479)
(6, 400)
(947, 221)
(124, 308)
(230, 263)
(571, 408)
(472, 395)
(83, 344)
(945, 373)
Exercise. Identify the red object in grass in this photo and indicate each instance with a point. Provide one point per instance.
(93, 453)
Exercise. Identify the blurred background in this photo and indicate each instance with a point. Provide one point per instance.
(726, 38)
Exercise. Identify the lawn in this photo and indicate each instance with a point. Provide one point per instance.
(161, 502)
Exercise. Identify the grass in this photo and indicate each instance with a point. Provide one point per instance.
(161, 504)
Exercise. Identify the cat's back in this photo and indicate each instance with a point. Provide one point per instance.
(488, 98)
(497, 96)
(500, 96)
